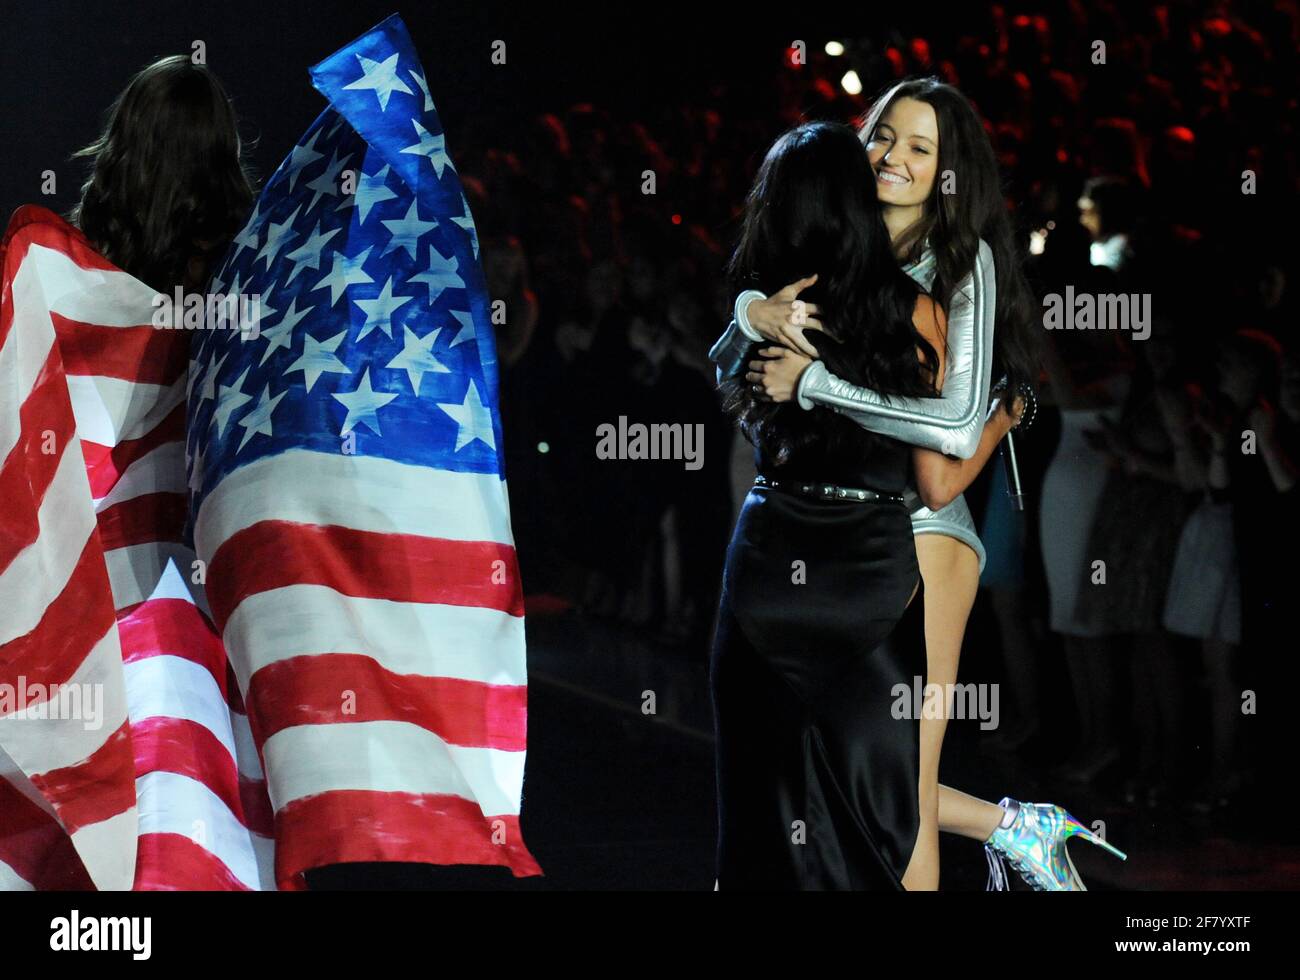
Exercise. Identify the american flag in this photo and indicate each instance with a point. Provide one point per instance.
(157, 785)
(350, 524)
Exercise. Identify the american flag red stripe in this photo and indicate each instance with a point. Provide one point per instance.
(181, 630)
(147, 518)
(35, 852)
(43, 655)
(93, 474)
(442, 828)
(397, 567)
(89, 792)
(305, 691)
(136, 354)
(166, 859)
(28, 471)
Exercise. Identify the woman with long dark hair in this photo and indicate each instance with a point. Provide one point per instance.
(167, 190)
(935, 173)
(820, 618)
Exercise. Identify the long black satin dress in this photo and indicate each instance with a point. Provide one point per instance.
(816, 648)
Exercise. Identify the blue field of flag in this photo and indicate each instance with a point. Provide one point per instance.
(374, 335)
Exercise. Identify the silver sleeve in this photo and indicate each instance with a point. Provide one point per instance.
(951, 423)
(728, 352)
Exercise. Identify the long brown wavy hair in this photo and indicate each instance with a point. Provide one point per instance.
(954, 224)
(166, 181)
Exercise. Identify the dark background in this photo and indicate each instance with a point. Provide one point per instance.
(615, 798)
(65, 60)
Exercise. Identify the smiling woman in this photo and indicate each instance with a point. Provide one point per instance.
(904, 153)
(955, 241)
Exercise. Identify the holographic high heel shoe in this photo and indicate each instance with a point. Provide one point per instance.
(1034, 844)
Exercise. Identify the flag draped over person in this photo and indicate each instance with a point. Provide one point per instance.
(340, 666)
(125, 756)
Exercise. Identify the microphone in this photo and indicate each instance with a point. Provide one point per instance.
(1012, 469)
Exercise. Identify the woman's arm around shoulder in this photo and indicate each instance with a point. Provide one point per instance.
(952, 423)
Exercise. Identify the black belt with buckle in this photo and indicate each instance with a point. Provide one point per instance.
(829, 491)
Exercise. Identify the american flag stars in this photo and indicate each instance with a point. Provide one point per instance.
(406, 232)
(363, 405)
(431, 146)
(380, 77)
(379, 311)
(373, 302)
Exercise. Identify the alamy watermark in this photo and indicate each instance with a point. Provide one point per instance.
(42, 702)
(655, 441)
(1098, 311)
(921, 700)
(212, 311)
(97, 933)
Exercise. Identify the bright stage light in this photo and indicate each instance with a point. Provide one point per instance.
(851, 83)
(834, 48)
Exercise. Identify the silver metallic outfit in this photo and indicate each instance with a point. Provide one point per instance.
(951, 423)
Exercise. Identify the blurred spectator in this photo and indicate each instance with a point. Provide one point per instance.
(1167, 169)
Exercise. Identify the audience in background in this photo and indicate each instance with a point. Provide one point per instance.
(1164, 166)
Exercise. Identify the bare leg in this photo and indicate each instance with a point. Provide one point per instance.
(966, 815)
(950, 570)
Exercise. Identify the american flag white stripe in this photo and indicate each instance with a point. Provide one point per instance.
(40, 571)
(135, 571)
(164, 686)
(473, 643)
(366, 493)
(21, 363)
(388, 757)
(111, 862)
(109, 409)
(161, 470)
(246, 757)
(28, 739)
(102, 296)
(176, 804)
(12, 881)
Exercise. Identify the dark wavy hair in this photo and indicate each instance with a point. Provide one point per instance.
(813, 209)
(166, 181)
(954, 223)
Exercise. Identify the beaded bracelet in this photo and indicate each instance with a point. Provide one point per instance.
(1026, 391)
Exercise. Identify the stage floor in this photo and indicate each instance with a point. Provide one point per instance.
(615, 798)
